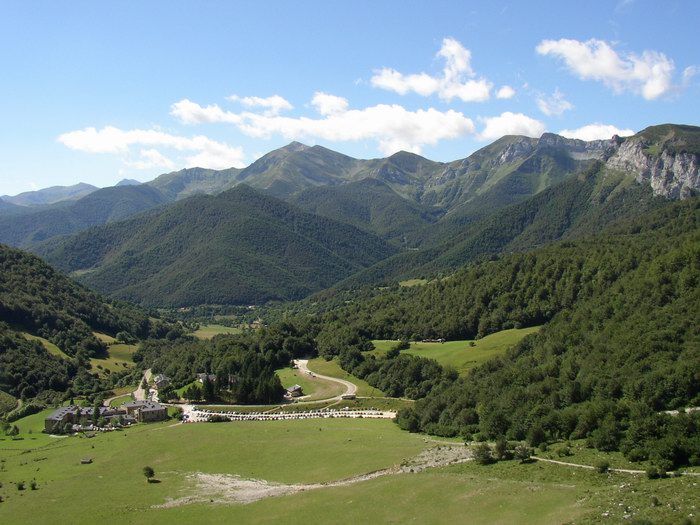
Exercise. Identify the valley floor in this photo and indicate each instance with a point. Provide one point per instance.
(309, 471)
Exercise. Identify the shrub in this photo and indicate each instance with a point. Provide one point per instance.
(502, 451)
(536, 436)
(601, 467)
(483, 455)
(522, 452)
(653, 473)
(564, 451)
(637, 454)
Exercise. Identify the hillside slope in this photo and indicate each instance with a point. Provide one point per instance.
(239, 247)
(610, 358)
(579, 205)
(51, 195)
(99, 207)
(38, 300)
(370, 205)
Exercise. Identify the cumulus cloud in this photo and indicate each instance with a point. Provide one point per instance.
(273, 105)
(151, 158)
(457, 80)
(595, 131)
(553, 105)
(508, 123)
(327, 104)
(206, 153)
(505, 93)
(192, 113)
(649, 74)
(392, 126)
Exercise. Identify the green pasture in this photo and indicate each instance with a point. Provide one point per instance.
(30, 435)
(461, 355)
(50, 347)
(315, 388)
(208, 331)
(112, 489)
(408, 283)
(119, 357)
(119, 401)
(123, 390)
(108, 339)
(332, 369)
(181, 391)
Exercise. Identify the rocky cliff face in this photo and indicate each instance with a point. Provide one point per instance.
(675, 175)
(581, 149)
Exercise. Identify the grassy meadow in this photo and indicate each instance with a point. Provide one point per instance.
(118, 357)
(462, 355)
(332, 369)
(208, 331)
(113, 489)
(50, 347)
(313, 387)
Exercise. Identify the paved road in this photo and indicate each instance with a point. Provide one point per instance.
(350, 388)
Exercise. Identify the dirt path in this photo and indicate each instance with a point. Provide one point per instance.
(140, 394)
(226, 489)
(590, 467)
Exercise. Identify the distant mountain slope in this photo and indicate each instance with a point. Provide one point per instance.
(370, 205)
(238, 247)
(51, 195)
(193, 181)
(7, 208)
(128, 182)
(99, 207)
(296, 167)
(580, 205)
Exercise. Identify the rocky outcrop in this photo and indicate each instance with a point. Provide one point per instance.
(581, 149)
(673, 175)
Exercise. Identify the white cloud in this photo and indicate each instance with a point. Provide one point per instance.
(553, 105)
(505, 93)
(151, 158)
(327, 104)
(595, 131)
(457, 80)
(392, 126)
(274, 104)
(509, 123)
(208, 153)
(192, 113)
(648, 74)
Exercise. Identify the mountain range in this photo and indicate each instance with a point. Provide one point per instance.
(301, 219)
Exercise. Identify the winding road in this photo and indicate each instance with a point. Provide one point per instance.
(350, 388)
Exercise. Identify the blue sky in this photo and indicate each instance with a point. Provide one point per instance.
(100, 91)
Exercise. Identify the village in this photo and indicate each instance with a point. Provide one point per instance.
(145, 407)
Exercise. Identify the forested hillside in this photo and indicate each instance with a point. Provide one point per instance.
(240, 247)
(619, 341)
(37, 300)
(370, 205)
(580, 205)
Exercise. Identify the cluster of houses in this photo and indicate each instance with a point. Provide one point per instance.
(71, 418)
